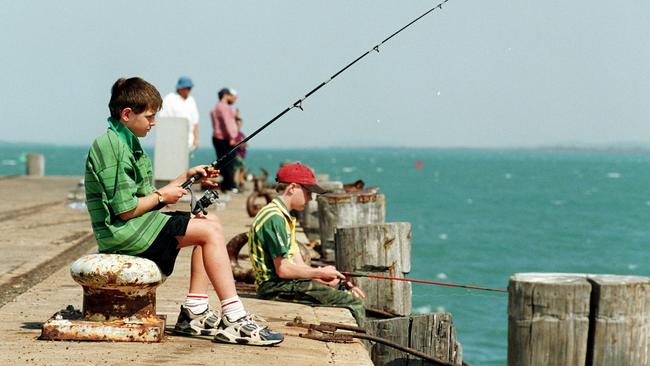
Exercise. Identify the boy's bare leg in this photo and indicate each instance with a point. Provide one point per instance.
(207, 233)
(235, 326)
(199, 279)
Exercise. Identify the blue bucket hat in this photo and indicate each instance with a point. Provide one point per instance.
(184, 82)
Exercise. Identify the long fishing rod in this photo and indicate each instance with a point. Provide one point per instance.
(367, 275)
(211, 196)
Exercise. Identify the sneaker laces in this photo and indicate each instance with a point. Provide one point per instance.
(253, 319)
(207, 314)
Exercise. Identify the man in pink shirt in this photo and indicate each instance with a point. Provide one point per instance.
(225, 134)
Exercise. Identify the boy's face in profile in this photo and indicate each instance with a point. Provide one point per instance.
(300, 198)
(139, 123)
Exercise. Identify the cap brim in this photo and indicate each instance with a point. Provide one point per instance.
(314, 188)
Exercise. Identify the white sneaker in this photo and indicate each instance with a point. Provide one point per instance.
(246, 331)
(192, 324)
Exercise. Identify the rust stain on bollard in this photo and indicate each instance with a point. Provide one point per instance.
(119, 302)
(106, 305)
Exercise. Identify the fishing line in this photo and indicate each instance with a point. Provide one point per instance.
(471, 287)
(223, 160)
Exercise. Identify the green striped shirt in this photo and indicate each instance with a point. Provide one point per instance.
(272, 234)
(118, 171)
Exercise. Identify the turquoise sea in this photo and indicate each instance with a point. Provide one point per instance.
(478, 216)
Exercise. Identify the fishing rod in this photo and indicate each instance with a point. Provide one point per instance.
(210, 196)
(367, 275)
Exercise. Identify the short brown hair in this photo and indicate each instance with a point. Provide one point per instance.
(135, 93)
(280, 187)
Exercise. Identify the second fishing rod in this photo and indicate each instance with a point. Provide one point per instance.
(210, 196)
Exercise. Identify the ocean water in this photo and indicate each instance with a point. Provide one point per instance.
(478, 216)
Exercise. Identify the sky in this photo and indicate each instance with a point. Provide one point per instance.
(476, 73)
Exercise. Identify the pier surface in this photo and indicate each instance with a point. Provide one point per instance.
(40, 236)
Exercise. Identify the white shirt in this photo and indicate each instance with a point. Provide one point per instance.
(175, 106)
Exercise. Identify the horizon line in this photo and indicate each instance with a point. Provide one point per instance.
(558, 146)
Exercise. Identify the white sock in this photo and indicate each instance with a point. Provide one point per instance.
(233, 308)
(196, 303)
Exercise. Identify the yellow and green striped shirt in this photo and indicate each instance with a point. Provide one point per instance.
(272, 234)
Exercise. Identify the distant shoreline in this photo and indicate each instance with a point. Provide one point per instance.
(620, 147)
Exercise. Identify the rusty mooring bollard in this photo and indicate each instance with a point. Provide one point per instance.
(119, 302)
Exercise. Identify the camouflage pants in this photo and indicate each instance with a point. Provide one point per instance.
(312, 293)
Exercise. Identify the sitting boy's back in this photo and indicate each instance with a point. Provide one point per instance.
(111, 190)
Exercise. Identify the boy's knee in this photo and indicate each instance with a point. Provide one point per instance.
(215, 223)
(209, 230)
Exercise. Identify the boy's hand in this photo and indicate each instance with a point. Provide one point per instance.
(206, 172)
(329, 273)
(171, 194)
(356, 292)
(333, 283)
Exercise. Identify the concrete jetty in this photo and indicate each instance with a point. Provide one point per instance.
(40, 236)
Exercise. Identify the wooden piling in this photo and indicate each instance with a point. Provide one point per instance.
(578, 319)
(620, 320)
(433, 334)
(35, 165)
(346, 209)
(380, 249)
(548, 319)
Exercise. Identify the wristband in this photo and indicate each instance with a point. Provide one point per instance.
(160, 197)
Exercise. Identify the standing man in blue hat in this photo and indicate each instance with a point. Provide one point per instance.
(182, 104)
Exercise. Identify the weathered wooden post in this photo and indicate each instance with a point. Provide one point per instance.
(381, 249)
(35, 165)
(548, 319)
(433, 334)
(345, 209)
(620, 320)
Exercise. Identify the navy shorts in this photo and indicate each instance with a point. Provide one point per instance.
(164, 249)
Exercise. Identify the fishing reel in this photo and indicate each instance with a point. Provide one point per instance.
(202, 205)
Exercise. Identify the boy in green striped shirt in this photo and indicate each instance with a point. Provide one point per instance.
(124, 209)
(280, 272)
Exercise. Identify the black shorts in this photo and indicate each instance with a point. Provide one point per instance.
(164, 249)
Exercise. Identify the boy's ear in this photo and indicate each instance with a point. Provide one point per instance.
(125, 114)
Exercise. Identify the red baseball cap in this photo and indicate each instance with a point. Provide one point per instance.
(300, 174)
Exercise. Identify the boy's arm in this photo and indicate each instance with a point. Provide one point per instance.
(356, 292)
(273, 236)
(168, 194)
(290, 271)
(145, 204)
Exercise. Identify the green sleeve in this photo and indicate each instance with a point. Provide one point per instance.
(274, 237)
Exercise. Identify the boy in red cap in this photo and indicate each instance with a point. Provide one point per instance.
(280, 272)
